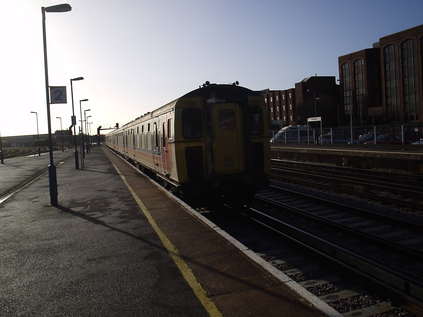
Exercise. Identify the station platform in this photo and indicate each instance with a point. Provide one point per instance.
(401, 159)
(16, 170)
(118, 245)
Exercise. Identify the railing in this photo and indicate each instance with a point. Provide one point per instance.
(381, 134)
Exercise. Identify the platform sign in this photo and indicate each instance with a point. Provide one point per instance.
(314, 119)
(58, 94)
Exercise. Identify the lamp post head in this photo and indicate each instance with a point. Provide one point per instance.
(34, 112)
(58, 117)
(77, 78)
(83, 100)
(58, 8)
(87, 110)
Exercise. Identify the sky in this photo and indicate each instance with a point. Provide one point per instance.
(136, 55)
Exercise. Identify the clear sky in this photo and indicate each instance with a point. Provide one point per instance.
(136, 55)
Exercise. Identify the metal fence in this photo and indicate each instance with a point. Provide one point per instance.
(382, 134)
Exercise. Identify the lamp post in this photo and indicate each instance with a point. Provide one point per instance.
(1, 150)
(85, 123)
(351, 123)
(38, 131)
(82, 132)
(61, 131)
(52, 177)
(75, 142)
(88, 133)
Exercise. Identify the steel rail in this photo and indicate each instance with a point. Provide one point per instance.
(372, 270)
(394, 219)
(398, 247)
(407, 189)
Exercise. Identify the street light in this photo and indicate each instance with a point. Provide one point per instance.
(60, 118)
(52, 177)
(87, 129)
(82, 132)
(75, 142)
(1, 151)
(61, 135)
(38, 132)
(85, 122)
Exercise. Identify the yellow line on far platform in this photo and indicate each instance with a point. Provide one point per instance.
(183, 267)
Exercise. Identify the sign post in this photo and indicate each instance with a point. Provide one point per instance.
(317, 119)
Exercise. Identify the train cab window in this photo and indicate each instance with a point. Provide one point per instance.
(192, 123)
(227, 119)
(256, 121)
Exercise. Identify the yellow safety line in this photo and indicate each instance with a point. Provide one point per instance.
(183, 267)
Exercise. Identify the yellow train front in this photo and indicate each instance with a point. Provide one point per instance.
(212, 140)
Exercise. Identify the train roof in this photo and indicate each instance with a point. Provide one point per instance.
(213, 93)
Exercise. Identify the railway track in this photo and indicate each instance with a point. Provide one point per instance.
(330, 264)
(385, 253)
(397, 190)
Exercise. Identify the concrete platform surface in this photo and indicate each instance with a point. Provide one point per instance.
(98, 255)
(17, 169)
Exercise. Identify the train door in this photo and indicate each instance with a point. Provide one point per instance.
(164, 151)
(228, 150)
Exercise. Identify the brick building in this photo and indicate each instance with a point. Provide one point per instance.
(402, 63)
(313, 96)
(384, 83)
(282, 106)
(359, 74)
(317, 96)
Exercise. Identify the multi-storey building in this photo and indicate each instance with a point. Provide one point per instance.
(317, 96)
(385, 83)
(402, 67)
(359, 74)
(282, 106)
(313, 96)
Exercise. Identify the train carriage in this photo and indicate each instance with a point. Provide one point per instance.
(211, 139)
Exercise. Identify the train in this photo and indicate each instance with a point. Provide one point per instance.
(213, 140)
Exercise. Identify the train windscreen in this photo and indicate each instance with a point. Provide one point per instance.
(192, 123)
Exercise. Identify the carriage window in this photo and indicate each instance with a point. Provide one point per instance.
(156, 135)
(192, 124)
(169, 128)
(227, 119)
(163, 134)
(256, 121)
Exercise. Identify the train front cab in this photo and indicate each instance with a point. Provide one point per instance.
(222, 146)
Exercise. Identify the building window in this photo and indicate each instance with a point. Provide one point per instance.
(265, 100)
(360, 88)
(391, 81)
(283, 108)
(291, 118)
(290, 106)
(408, 61)
(277, 97)
(271, 99)
(290, 95)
